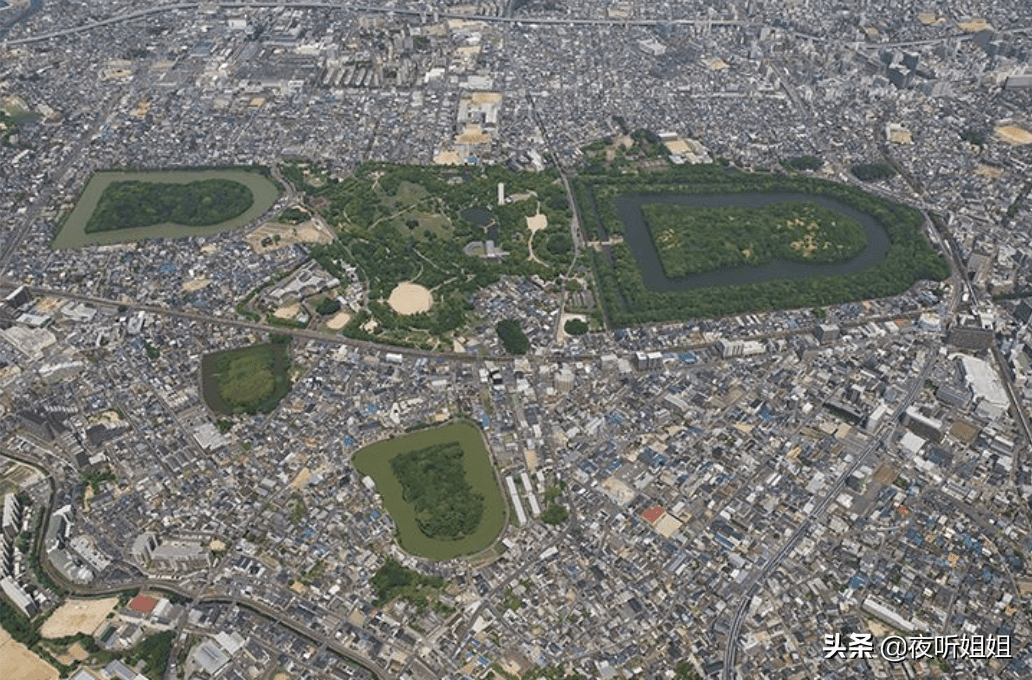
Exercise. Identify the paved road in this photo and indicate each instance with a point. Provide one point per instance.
(506, 18)
(169, 586)
(305, 334)
(542, 21)
(775, 560)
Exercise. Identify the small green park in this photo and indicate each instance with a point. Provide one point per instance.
(249, 379)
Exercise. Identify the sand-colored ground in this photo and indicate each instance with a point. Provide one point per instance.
(338, 321)
(989, 171)
(1012, 134)
(678, 146)
(537, 222)
(287, 311)
(109, 417)
(74, 653)
(410, 298)
(974, 25)
(301, 479)
(195, 284)
(77, 616)
(930, 18)
(447, 158)
(312, 231)
(49, 305)
(531, 458)
(18, 663)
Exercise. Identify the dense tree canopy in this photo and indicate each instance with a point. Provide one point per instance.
(691, 239)
(393, 580)
(627, 301)
(434, 481)
(870, 172)
(512, 336)
(125, 205)
(575, 326)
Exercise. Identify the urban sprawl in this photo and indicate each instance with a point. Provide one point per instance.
(775, 495)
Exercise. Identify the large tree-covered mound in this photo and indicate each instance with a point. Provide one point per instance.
(125, 205)
(691, 240)
(434, 481)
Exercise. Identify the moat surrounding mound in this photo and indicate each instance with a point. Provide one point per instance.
(661, 274)
(246, 380)
(440, 488)
(125, 206)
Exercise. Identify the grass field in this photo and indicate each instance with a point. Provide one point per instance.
(73, 233)
(77, 616)
(246, 380)
(375, 461)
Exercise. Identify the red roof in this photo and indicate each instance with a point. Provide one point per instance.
(143, 603)
(653, 514)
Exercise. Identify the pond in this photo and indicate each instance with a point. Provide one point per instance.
(73, 232)
(478, 217)
(375, 461)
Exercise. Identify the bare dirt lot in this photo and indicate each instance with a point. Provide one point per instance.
(18, 663)
(77, 616)
(287, 311)
(339, 320)
(1014, 135)
(276, 235)
(410, 298)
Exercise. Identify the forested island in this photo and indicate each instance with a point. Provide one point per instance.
(434, 481)
(134, 203)
(628, 301)
(690, 240)
(440, 488)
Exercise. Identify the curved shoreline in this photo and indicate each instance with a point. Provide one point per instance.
(72, 234)
(639, 240)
